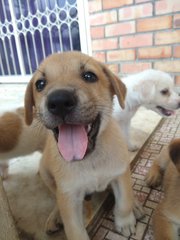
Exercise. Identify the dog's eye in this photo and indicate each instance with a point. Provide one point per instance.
(165, 92)
(40, 84)
(89, 77)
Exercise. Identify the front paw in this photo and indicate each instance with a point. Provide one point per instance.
(125, 225)
(132, 147)
(138, 210)
(154, 176)
(53, 224)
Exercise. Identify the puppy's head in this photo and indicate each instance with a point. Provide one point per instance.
(157, 91)
(72, 94)
(174, 152)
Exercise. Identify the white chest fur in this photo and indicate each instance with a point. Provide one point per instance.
(92, 177)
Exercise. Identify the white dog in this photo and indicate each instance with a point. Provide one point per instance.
(152, 89)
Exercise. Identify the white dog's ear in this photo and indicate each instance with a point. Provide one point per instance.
(145, 89)
(29, 103)
(118, 87)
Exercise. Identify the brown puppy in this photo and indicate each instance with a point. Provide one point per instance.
(17, 139)
(166, 220)
(84, 152)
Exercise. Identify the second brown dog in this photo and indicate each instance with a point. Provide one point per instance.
(166, 220)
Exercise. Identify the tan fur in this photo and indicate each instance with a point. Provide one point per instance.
(107, 164)
(166, 220)
(10, 130)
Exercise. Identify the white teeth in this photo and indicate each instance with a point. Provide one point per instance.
(89, 128)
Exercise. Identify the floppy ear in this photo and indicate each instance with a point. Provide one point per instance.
(118, 87)
(174, 152)
(145, 89)
(29, 103)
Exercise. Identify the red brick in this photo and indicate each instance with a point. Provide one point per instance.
(177, 51)
(177, 81)
(169, 37)
(139, 40)
(134, 67)
(100, 56)
(94, 6)
(154, 52)
(166, 6)
(177, 21)
(121, 55)
(138, 11)
(104, 44)
(120, 28)
(115, 4)
(157, 23)
(103, 18)
(168, 66)
(97, 32)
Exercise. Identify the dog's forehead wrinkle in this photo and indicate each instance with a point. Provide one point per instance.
(91, 65)
(40, 71)
(85, 63)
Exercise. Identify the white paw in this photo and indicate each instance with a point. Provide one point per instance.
(132, 147)
(4, 170)
(125, 225)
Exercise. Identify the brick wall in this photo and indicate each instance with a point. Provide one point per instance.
(133, 35)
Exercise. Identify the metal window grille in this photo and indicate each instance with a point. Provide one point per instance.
(30, 30)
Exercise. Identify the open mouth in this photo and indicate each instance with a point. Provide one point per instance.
(164, 111)
(75, 141)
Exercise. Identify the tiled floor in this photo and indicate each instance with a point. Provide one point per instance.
(102, 228)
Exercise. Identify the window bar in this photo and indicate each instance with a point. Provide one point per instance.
(4, 47)
(27, 50)
(17, 40)
(13, 58)
(70, 35)
(2, 69)
(50, 38)
(6, 58)
(83, 21)
(59, 27)
(34, 45)
(42, 43)
(35, 50)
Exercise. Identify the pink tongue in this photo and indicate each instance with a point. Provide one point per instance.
(72, 141)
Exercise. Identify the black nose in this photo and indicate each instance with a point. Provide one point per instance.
(61, 102)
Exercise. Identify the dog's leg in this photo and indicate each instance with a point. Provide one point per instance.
(123, 211)
(47, 177)
(154, 176)
(71, 210)
(125, 126)
(162, 226)
(54, 222)
(4, 167)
